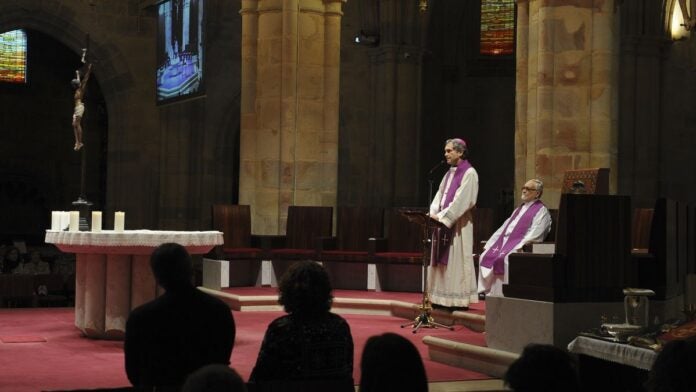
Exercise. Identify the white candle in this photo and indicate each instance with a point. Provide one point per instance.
(55, 220)
(96, 221)
(119, 220)
(74, 221)
(65, 220)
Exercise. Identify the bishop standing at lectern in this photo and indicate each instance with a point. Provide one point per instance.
(530, 222)
(451, 275)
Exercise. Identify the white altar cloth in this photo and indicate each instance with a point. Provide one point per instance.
(622, 353)
(113, 273)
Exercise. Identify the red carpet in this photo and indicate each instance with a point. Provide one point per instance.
(68, 361)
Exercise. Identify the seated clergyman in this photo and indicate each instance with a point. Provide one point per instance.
(530, 222)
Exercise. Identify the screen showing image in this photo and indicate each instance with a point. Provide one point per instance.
(180, 50)
(13, 56)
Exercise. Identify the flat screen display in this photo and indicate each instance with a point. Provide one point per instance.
(13, 57)
(180, 50)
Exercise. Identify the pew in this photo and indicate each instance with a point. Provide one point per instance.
(592, 256)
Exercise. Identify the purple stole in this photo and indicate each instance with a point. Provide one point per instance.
(442, 236)
(495, 256)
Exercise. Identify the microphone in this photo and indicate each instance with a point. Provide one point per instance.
(436, 167)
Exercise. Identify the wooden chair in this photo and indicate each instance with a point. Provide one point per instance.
(640, 229)
(242, 249)
(664, 267)
(234, 221)
(592, 260)
(403, 243)
(305, 225)
(356, 225)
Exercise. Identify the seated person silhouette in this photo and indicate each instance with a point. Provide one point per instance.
(11, 260)
(310, 342)
(530, 222)
(33, 266)
(391, 362)
(543, 368)
(674, 368)
(178, 332)
(214, 378)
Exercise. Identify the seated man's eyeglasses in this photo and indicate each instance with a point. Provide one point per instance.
(524, 188)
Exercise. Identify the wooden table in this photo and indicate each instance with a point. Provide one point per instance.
(113, 274)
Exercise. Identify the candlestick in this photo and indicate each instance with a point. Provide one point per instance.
(74, 221)
(119, 220)
(96, 221)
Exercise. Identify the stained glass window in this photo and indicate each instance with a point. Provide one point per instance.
(13, 56)
(497, 27)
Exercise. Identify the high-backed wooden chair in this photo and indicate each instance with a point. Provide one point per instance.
(664, 267)
(305, 225)
(403, 241)
(551, 237)
(234, 221)
(355, 226)
(592, 260)
(640, 229)
(484, 227)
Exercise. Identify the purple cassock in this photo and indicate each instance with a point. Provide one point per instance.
(495, 256)
(442, 235)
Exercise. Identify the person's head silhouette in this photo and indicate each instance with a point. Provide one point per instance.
(172, 267)
(543, 367)
(674, 368)
(391, 362)
(305, 289)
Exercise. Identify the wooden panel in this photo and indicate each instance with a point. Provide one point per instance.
(234, 221)
(640, 228)
(307, 223)
(484, 227)
(356, 225)
(402, 234)
(669, 247)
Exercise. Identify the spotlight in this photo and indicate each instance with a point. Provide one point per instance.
(364, 39)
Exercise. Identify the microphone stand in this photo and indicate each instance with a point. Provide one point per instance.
(424, 319)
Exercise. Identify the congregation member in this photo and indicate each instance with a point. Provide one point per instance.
(530, 222)
(34, 266)
(180, 331)
(309, 343)
(543, 368)
(391, 362)
(674, 368)
(11, 260)
(451, 275)
(214, 378)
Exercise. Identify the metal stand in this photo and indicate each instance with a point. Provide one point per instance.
(82, 204)
(424, 319)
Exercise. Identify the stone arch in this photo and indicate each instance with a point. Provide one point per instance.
(111, 69)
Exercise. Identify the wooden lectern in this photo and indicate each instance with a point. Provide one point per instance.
(594, 180)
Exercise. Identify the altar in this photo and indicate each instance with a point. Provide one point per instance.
(113, 273)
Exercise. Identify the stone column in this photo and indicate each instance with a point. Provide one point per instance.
(289, 134)
(566, 105)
